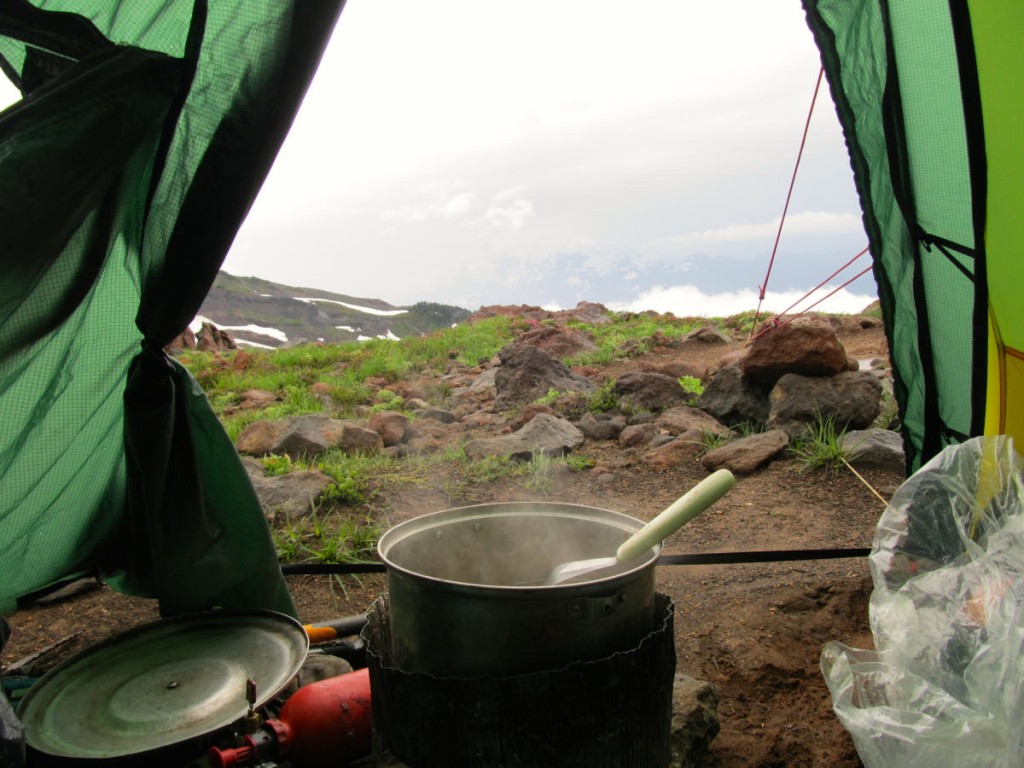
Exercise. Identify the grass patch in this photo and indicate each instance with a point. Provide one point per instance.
(820, 448)
(326, 537)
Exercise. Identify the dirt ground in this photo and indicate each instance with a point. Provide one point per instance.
(753, 630)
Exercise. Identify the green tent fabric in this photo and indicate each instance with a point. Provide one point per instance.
(144, 134)
(929, 96)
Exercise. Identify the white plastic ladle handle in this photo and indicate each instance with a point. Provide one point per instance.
(679, 513)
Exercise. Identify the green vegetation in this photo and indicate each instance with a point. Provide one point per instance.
(820, 448)
(353, 379)
(709, 440)
(603, 399)
(326, 538)
(631, 334)
(692, 386)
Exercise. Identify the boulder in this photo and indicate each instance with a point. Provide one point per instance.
(874, 448)
(390, 425)
(650, 391)
(733, 399)
(213, 339)
(807, 346)
(637, 435)
(304, 438)
(744, 455)
(290, 495)
(359, 440)
(544, 434)
(260, 437)
(183, 341)
(434, 413)
(851, 398)
(683, 418)
(601, 426)
(559, 342)
(520, 419)
(684, 449)
(527, 373)
(708, 334)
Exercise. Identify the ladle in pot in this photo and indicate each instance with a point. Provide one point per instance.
(667, 522)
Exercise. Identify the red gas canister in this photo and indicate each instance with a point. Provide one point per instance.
(323, 724)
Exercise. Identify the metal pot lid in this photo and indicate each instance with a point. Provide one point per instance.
(162, 683)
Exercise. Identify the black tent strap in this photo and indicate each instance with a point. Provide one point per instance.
(699, 558)
(946, 248)
(761, 556)
(320, 569)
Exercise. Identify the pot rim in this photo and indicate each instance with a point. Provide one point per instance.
(417, 525)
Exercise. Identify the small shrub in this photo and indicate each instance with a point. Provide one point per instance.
(550, 398)
(345, 490)
(692, 386)
(578, 462)
(387, 401)
(603, 399)
(274, 465)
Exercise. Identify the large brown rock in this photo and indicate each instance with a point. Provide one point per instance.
(390, 425)
(213, 339)
(528, 373)
(807, 346)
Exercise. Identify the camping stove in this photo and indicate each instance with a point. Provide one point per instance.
(201, 691)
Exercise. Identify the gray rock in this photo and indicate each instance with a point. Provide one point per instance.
(290, 495)
(852, 398)
(637, 435)
(650, 391)
(708, 334)
(544, 433)
(528, 373)
(304, 438)
(695, 721)
(600, 426)
(874, 448)
(733, 399)
(559, 342)
(682, 418)
(442, 415)
(746, 454)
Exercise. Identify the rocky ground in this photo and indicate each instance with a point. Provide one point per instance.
(755, 631)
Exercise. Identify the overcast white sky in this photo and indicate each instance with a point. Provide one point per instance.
(545, 151)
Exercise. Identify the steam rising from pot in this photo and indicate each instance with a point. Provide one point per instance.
(506, 545)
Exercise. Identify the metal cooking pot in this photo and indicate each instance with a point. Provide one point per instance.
(467, 594)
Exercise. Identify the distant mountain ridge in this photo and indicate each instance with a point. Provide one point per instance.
(260, 313)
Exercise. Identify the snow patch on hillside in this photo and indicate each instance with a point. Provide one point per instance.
(367, 310)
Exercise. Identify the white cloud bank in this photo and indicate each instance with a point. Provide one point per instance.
(688, 300)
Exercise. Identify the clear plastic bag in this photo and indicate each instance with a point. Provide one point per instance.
(945, 687)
